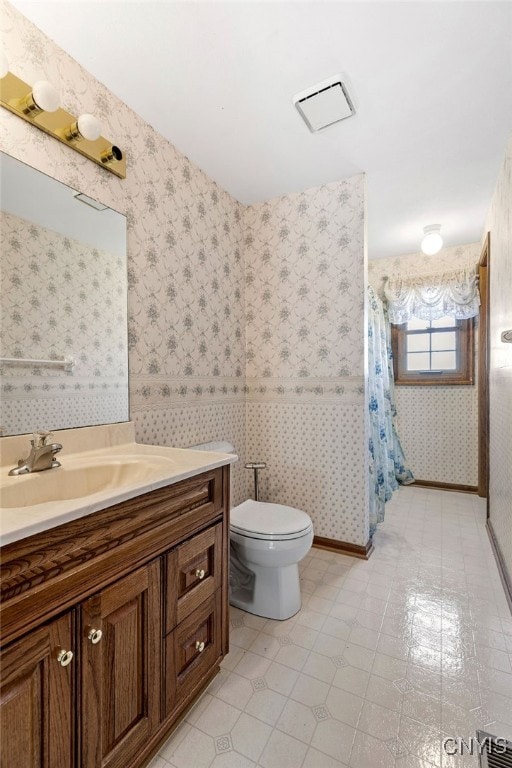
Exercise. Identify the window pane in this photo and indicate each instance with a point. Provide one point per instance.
(418, 361)
(444, 361)
(444, 322)
(444, 340)
(417, 325)
(418, 342)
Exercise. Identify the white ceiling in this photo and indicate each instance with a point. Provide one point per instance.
(431, 83)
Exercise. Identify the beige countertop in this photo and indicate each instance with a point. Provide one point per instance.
(90, 478)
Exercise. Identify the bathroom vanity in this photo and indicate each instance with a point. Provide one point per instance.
(114, 617)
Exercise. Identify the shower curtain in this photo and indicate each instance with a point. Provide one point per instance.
(386, 458)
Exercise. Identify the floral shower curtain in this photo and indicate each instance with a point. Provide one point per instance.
(387, 462)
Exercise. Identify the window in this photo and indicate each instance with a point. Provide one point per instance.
(433, 352)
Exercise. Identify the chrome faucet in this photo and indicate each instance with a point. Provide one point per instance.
(41, 456)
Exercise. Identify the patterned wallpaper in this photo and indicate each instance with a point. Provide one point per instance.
(185, 253)
(188, 246)
(304, 276)
(499, 224)
(438, 429)
(438, 426)
(305, 354)
(78, 294)
(315, 461)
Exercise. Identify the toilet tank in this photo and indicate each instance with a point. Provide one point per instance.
(218, 446)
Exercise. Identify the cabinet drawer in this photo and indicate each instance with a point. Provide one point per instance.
(191, 651)
(193, 574)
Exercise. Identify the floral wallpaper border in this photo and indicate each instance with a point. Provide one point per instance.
(19, 388)
(348, 389)
(166, 392)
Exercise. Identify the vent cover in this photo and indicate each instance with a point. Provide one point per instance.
(497, 752)
(324, 104)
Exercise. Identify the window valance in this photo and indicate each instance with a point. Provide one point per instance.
(430, 297)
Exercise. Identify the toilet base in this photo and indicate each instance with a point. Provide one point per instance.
(273, 594)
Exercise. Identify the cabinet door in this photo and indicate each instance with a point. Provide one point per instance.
(36, 699)
(120, 683)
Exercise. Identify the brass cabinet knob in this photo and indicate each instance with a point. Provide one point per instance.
(64, 657)
(95, 635)
(200, 573)
(199, 646)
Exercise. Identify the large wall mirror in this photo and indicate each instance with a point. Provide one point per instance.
(63, 316)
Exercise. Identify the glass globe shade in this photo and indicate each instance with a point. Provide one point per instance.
(89, 127)
(45, 96)
(432, 241)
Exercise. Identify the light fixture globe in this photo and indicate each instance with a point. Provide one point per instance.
(89, 127)
(432, 241)
(45, 96)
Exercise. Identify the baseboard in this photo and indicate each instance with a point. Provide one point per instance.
(506, 580)
(445, 486)
(344, 547)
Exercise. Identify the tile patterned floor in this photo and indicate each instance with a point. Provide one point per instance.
(386, 658)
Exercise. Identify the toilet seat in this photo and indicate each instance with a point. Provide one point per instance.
(271, 522)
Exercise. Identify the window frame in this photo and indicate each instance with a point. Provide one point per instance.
(463, 374)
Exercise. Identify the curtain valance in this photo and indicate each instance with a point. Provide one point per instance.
(428, 298)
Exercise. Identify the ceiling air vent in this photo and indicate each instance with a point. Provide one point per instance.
(324, 104)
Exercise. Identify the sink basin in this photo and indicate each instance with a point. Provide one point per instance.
(74, 482)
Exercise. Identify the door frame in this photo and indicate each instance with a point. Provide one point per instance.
(483, 370)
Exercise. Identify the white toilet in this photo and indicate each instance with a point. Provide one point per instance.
(267, 543)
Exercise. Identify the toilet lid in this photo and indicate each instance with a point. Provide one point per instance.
(260, 519)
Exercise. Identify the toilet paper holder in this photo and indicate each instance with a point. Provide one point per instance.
(256, 466)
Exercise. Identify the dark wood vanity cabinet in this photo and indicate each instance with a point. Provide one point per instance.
(112, 625)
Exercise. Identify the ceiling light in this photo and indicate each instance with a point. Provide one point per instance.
(86, 127)
(432, 241)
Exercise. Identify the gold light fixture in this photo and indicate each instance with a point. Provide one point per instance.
(39, 105)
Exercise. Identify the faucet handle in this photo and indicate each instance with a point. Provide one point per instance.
(40, 438)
